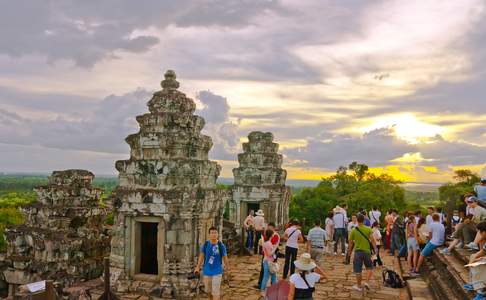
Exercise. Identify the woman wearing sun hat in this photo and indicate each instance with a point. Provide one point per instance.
(303, 281)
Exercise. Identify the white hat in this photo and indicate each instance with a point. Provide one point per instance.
(260, 213)
(305, 262)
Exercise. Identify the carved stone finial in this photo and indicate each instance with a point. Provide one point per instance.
(170, 81)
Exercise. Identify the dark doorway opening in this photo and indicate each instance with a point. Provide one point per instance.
(252, 206)
(148, 248)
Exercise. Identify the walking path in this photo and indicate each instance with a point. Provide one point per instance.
(243, 276)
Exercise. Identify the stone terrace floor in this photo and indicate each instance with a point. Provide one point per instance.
(244, 273)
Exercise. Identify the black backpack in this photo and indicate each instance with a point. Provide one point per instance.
(392, 279)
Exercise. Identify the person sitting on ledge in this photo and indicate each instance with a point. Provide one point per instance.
(477, 273)
(436, 239)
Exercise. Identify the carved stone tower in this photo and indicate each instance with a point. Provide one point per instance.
(260, 181)
(166, 199)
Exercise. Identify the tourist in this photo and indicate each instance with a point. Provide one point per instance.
(476, 273)
(397, 235)
(303, 282)
(259, 223)
(213, 259)
(455, 219)
(430, 212)
(375, 215)
(418, 216)
(362, 242)
(423, 233)
(378, 239)
(293, 236)
(389, 219)
(411, 233)
(340, 221)
(464, 234)
(479, 215)
(353, 223)
(275, 240)
(436, 239)
(329, 232)
(441, 214)
(269, 258)
(316, 239)
(480, 191)
(367, 221)
(250, 230)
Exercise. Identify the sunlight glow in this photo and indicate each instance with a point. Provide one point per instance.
(406, 127)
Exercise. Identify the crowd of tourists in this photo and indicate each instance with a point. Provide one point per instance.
(360, 238)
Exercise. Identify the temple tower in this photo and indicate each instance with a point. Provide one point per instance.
(166, 199)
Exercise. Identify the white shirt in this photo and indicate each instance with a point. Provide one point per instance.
(377, 236)
(329, 226)
(417, 219)
(438, 233)
(299, 283)
(351, 226)
(375, 216)
(293, 238)
(428, 220)
(259, 223)
(339, 220)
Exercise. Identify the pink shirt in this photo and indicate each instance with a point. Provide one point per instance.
(268, 249)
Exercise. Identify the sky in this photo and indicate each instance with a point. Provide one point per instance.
(397, 85)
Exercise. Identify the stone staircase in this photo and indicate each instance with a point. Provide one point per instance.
(446, 275)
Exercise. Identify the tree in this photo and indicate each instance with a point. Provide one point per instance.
(466, 177)
(359, 189)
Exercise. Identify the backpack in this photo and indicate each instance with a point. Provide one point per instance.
(392, 279)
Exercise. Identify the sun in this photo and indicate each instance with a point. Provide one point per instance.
(406, 127)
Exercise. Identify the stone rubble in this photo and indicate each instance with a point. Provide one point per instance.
(63, 237)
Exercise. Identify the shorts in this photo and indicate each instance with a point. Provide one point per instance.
(212, 284)
(428, 249)
(316, 253)
(412, 244)
(360, 258)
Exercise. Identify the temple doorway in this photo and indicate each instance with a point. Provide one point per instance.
(148, 248)
(255, 206)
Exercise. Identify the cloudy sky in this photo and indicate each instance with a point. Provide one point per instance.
(398, 85)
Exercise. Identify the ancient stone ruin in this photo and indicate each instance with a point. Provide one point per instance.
(259, 181)
(166, 199)
(62, 238)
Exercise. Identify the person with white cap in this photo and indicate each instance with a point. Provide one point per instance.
(259, 224)
(480, 190)
(303, 282)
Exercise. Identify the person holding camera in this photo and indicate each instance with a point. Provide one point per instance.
(362, 242)
(213, 259)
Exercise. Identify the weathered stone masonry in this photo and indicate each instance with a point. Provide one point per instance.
(62, 238)
(170, 183)
(260, 181)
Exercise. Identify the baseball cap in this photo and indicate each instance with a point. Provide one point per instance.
(483, 179)
(472, 199)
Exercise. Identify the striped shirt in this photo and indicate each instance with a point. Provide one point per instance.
(317, 236)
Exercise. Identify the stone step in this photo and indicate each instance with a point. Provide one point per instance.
(446, 276)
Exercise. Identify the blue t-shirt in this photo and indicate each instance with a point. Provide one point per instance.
(213, 260)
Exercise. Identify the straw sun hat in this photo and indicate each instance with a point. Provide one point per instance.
(305, 262)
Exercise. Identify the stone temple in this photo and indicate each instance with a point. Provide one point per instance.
(166, 199)
(259, 181)
(62, 238)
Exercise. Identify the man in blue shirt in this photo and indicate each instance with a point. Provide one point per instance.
(213, 259)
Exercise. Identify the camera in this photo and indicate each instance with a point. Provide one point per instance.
(193, 276)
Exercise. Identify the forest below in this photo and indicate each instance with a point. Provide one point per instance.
(353, 185)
